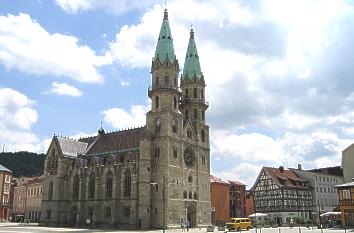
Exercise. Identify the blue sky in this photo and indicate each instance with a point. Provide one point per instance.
(279, 74)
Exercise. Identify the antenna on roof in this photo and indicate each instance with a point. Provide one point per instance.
(165, 4)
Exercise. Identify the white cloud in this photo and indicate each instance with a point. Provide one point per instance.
(17, 114)
(111, 6)
(64, 89)
(28, 47)
(120, 118)
(124, 83)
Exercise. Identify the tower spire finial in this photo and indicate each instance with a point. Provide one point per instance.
(192, 31)
(165, 14)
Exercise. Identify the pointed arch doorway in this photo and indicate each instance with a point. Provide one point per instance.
(191, 213)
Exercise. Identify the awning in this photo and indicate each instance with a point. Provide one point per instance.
(330, 213)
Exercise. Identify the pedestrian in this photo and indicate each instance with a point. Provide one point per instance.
(181, 222)
(187, 224)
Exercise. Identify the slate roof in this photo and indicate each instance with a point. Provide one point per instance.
(2, 168)
(284, 178)
(71, 147)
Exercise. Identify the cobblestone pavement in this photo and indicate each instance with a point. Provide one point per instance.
(16, 227)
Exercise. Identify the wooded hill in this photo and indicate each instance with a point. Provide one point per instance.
(23, 163)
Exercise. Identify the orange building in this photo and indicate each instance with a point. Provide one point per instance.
(219, 200)
(249, 204)
(346, 203)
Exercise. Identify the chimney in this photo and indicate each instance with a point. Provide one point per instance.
(299, 167)
(281, 169)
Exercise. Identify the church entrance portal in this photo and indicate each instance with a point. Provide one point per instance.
(191, 214)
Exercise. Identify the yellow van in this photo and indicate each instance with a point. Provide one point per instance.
(238, 224)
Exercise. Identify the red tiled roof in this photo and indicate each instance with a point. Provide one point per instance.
(236, 183)
(111, 142)
(37, 180)
(287, 176)
(214, 179)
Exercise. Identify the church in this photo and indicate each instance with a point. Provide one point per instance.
(148, 177)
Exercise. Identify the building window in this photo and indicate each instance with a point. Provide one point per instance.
(76, 187)
(203, 115)
(195, 114)
(92, 184)
(50, 191)
(202, 135)
(190, 196)
(195, 93)
(157, 101)
(157, 81)
(108, 212)
(127, 183)
(174, 153)
(109, 186)
(346, 194)
(175, 102)
(202, 94)
(157, 153)
(185, 194)
(189, 133)
(175, 81)
(158, 126)
(187, 92)
(195, 195)
(186, 114)
(203, 159)
(174, 126)
(127, 211)
(190, 179)
(166, 81)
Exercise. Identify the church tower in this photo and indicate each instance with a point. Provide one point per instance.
(180, 169)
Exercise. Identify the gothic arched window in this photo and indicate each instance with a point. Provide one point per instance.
(109, 185)
(185, 194)
(190, 196)
(202, 135)
(50, 190)
(76, 187)
(203, 115)
(127, 183)
(91, 187)
(195, 93)
(195, 195)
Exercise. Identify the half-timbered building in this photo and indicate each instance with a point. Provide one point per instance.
(282, 195)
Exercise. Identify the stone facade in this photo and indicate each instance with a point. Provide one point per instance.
(147, 177)
(347, 163)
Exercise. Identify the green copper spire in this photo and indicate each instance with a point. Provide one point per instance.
(191, 64)
(164, 47)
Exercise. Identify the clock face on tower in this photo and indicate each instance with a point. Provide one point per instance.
(189, 159)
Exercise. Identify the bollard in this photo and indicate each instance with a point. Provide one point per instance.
(279, 229)
(299, 230)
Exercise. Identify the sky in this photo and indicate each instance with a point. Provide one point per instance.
(279, 74)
